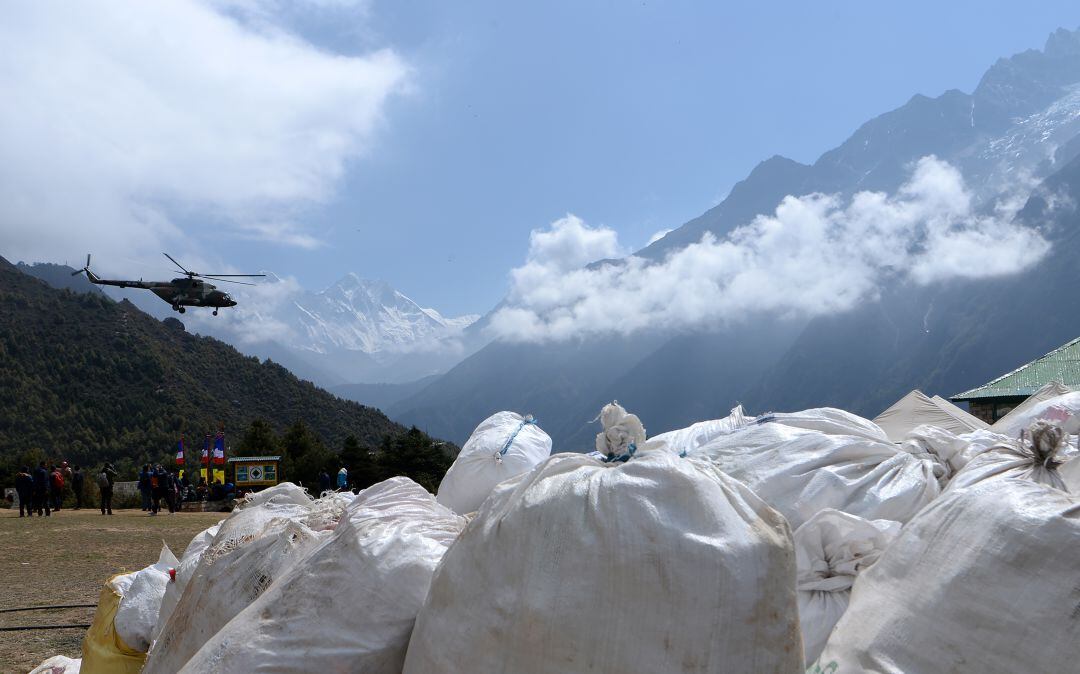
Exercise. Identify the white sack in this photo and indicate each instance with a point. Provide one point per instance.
(658, 564)
(504, 445)
(1048, 391)
(621, 431)
(952, 452)
(685, 440)
(984, 580)
(350, 605)
(189, 561)
(828, 420)
(233, 572)
(137, 614)
(801, 472)
(1064, 410)
(285, 493)
(831, 549)
(1032, 458)
(1070, 474)
(58, 664)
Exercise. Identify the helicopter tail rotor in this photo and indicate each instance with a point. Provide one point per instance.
(84, 269)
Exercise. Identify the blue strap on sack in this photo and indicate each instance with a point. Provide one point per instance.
(510, 441)
(621, 458)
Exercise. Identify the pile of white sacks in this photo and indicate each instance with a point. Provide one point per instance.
(778, 543)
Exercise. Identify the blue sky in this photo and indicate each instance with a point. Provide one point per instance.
(635, 115)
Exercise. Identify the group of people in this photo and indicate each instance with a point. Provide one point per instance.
(157, 484)
(342, 480)
(42, 490)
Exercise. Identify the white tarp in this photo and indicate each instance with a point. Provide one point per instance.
(917, 409)
(658, 564)
(504, 445)
(983, 580)
(831, 549)
(800, 471)
(350, 605)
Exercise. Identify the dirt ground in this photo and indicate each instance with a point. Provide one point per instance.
(64, 559)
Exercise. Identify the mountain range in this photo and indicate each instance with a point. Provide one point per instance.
(1017, 132)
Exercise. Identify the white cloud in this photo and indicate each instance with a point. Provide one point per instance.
(258, 314)
(814, 255)
(124, 123)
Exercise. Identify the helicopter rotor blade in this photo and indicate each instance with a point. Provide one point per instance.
(215, 278)
(179, 265)
(232, 275)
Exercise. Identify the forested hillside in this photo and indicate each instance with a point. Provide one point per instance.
(90, 379)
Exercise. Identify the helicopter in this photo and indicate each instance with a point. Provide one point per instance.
(189, 291)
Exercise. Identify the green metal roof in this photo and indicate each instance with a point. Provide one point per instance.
(1062, 364)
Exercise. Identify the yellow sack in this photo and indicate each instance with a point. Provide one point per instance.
(103, 651)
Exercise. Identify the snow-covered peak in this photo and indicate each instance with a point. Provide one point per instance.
(366, 315)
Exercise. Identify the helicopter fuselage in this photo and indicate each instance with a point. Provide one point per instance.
(182, 292)
(179, 292)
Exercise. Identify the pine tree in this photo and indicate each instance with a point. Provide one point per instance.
(364, 471)
(258, 440)
(417, 456)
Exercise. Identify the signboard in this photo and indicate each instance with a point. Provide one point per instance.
(256, 473)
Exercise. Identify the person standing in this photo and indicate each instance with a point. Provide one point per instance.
(56, 487)
(343, 478)
(159, 482)
(77, 478)
(324, 482)
(66, 472)
(106, 480)
(172, 492)
(24, 487)
(145, 488)
(41, 490)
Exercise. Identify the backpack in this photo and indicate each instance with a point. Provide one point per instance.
(154, 482)
(57, 481)
(103, 480)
